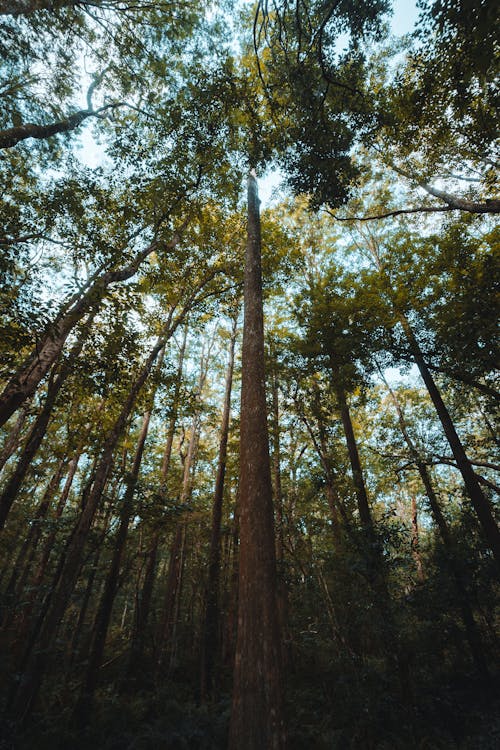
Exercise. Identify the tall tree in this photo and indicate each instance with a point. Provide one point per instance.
(257, 711)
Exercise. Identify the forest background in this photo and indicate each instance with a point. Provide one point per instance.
(215, 534)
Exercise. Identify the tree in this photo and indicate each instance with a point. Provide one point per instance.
(257, 712)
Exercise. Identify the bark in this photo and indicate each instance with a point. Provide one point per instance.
(257, 708)
(13, 439)
(489, 206)
(352, 449)
(12, 136)
(282, 591)
(276, 470)
(210, 637)
(479, 501)
(229, 629)
(39, 428)
(26, 380)
(103, 617)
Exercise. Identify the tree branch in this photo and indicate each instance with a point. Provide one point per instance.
(12, 136)
(419, 209)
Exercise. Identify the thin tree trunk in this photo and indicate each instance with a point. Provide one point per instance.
(479, 500)
(415, 541)
(37, 434)
(352, 449)
(471, 630)
(13, 438)
(210, 639)
(101, 624)
(26, 380)
(257, 709)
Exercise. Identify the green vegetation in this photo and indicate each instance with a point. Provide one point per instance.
(248, 454)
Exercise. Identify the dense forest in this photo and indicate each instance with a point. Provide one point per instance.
(248, 456)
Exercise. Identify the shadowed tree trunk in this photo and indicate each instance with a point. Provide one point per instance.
(471, 629)
(143, 602)
(479, 501)
(37, 433)
(14, 437)
(84, 705)
(210, 639)
(352, 449)
(415, 541)
(257, 708)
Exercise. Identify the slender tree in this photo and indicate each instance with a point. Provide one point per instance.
(210, 639)
(257, 711)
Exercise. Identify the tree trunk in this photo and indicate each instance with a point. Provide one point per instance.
(210, 637)
(282, 591)
(471, 630)
(101, 624)
(479, 501)
(13, 438)
(352, 449)
(257, 710)
(415, 542)
(37, 661)
(26, 380)
(39, 428)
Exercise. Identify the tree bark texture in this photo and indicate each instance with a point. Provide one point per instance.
(257, 706)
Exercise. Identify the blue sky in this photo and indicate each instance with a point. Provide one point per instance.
(405, 15)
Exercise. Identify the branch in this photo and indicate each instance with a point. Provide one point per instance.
(489, 206)
(483, 464)
(12, 136)
(420, 209)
